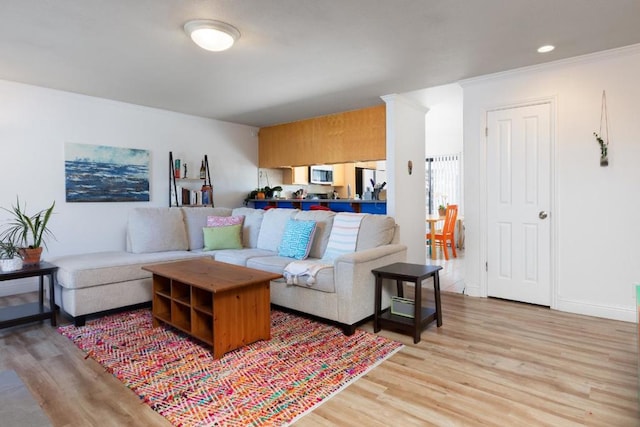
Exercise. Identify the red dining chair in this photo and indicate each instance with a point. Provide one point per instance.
(446, 234)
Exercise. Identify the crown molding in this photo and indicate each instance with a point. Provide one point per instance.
(633, 49)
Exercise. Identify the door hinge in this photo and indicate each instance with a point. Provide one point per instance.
(486, 266)
(486, 131)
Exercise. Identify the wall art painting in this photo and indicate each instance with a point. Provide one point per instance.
(100, 173)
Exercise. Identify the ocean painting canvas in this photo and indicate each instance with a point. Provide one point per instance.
(100, 173)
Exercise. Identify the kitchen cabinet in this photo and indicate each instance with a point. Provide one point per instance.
(288, 144)
(338, 175)
(352, 136)
(335, 138)
(296, 176)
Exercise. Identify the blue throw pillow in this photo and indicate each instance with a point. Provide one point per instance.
(297, 239)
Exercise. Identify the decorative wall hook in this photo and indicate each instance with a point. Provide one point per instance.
(410, 166)
(603, 139)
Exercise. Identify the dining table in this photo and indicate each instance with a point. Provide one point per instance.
(432, 219)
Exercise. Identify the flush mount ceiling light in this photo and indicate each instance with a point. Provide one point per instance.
(546, 48)
(212, 35)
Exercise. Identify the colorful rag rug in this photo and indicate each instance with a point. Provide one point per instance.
(270, 382)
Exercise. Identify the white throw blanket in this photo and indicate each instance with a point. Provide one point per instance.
(342, 240)
(297, 269)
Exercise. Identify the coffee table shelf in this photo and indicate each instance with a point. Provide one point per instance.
(223, 305)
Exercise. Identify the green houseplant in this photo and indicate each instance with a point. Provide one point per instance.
(10, 257)
(262, 193)
(29, 232)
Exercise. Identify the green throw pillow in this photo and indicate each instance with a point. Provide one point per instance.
(225, 237)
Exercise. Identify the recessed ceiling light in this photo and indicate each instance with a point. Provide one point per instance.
(546, 48)
(211, 35)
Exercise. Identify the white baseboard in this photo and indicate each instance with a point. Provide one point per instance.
(19, 286)
(626, 314)
(472, 291)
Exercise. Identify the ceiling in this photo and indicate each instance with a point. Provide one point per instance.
(295, 58)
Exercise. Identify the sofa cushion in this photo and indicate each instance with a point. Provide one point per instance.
(220, 221)
(195, 218)
(99, 268)
(324, 222)
(344, 235)
(272, 228)
(223, 237)
(375, 230)
(240, 256)
(156, 230)
(251, 226)
(297, 239)
(324, 280)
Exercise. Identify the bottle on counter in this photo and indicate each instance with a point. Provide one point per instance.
(367, 194)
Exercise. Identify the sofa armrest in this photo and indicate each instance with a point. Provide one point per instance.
(355, 284)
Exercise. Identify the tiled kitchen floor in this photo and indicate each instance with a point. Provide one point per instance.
(452, 273)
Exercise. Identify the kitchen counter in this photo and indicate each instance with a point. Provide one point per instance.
(336, 205)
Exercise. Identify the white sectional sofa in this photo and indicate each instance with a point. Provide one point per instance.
(342, 291)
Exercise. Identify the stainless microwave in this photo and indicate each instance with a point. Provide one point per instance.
(321, 174)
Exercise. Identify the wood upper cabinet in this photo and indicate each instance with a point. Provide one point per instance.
(296, 175)
(338, 175)
(337, 138)
(281, 145)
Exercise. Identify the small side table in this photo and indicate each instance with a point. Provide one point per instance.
(422, 316)
(30, 312)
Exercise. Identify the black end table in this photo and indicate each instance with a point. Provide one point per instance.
(30, 312)
(422, 316)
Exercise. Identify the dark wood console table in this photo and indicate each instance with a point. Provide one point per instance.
(422, 316)
(30, 312)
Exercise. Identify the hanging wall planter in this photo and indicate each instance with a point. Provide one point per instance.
(603, 139)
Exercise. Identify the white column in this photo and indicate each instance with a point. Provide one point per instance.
(406, 190)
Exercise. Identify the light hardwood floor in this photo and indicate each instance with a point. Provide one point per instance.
(492, 362)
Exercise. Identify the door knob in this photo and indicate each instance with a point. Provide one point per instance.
(542, 215)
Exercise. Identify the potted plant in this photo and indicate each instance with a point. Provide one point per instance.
(604, 160)
(270, 192)
(442, 210)
(10, 258)
(262, 193)
(29, 231)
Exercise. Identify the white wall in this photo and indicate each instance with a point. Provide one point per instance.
(443, 124)
(597, 232)
(35, 123)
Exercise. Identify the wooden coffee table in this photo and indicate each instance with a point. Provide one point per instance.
(224, 305)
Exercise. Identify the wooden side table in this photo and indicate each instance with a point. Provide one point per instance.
(30, 312)
(422, 316)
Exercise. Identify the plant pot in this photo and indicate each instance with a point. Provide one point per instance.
(12, 264)
(31, 256)
(604, 161)
(260, 196)
(442, 211)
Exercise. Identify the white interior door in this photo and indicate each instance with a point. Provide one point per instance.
(518, 203)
